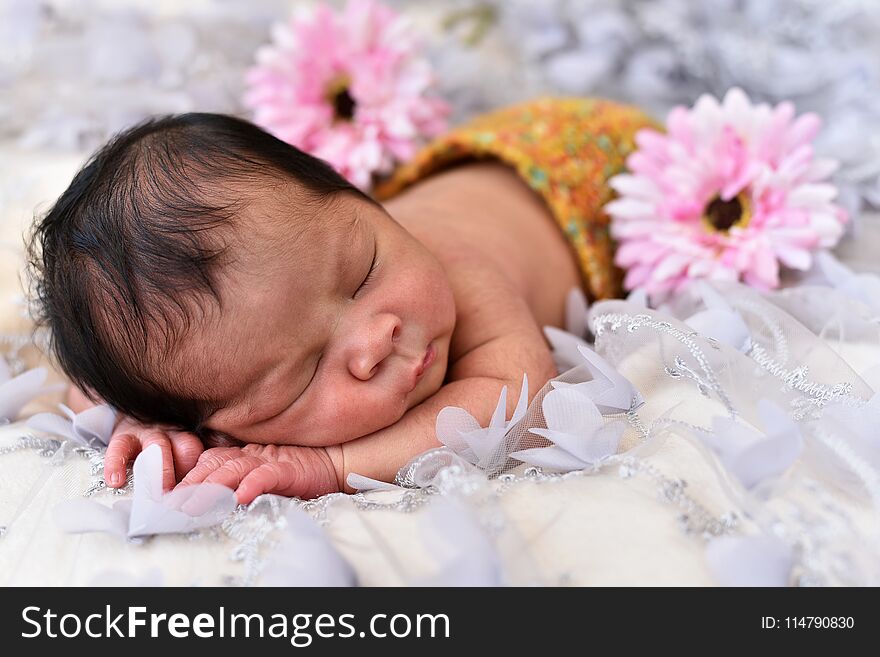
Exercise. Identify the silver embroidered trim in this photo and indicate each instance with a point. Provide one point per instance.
(694, 517)
(796, 379)
(635, 421)
(43, 446)
(254, 528)
(707, 382)
(780, 342)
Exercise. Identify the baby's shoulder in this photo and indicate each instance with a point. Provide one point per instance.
(467, 221)
(494, 236)
(477, 269)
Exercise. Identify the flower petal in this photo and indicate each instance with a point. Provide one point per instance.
(767, 458)
(553, 458)
(17, 392)
(95, 425)
(567, 410)
(305, 556)
(620, 395)
(452, 423)
(54, 424)
(750, 560)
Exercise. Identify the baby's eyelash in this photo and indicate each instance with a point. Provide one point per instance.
(369, 274)
(368, 278)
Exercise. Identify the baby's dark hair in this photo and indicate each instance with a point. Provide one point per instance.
(134, 244)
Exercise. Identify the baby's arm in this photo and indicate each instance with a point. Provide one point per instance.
(381, 454)
(308, 472)
(495, 346)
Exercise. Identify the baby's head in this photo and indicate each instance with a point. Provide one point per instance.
(200, 273)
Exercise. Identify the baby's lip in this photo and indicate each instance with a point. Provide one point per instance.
(429, 358)
(422, 367)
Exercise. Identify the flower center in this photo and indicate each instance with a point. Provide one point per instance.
(340, 99)
(721, 215)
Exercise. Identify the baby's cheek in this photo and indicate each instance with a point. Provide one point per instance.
(343, 417)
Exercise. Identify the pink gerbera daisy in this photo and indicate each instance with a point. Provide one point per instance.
(729, 193)
(347, 87)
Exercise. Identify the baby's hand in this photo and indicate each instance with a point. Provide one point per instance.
(252, 470)
(180, 451)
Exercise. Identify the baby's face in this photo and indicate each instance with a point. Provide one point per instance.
(304, 350)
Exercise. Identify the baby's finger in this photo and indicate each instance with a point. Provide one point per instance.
(209, 461)
(186, 448)
(268, 478)
(160, 438)
(283, 478)
(231, 473)
(122, 449)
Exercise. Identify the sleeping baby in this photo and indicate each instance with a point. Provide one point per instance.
(272, 328)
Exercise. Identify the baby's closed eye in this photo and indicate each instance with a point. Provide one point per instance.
(370, 273)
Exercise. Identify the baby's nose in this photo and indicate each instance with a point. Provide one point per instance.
(374, 346)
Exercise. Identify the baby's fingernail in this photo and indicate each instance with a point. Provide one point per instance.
(116, 480)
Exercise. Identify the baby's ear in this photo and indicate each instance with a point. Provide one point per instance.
(219, 439)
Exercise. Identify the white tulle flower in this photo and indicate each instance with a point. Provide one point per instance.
(92, 427)
(639, 297)
(760, 560)
(576, 312)
(464, 550)
(754, 457)
(460, 431)
(861, 287)
(16, 392)
(610, 391)
(565, 347)
(719, 320)
(149, 511)
(576, 427)
(364, 484)
(305, 556)
(565, 343)
(430, 470)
